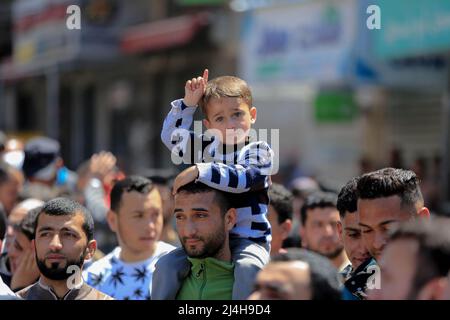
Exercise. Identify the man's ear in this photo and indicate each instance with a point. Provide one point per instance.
(286, 228)
(302, 232)
(230, 218)
(339, 228)
(91, 248)
(111, 217)
(424, 213)
(253, 114)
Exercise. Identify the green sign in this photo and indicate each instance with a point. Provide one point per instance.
(412, 27)
(332, 107)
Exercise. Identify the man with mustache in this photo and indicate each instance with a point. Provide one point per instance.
(64, 234)
(319, 228)
(204, 217)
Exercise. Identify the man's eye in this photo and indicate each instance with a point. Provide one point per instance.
(219, 119)
(201, 215)
(317, 225)
(366, 231)
(354, 235)
(70, 235)
(237, 114)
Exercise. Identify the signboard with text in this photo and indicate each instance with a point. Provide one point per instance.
(311, 41)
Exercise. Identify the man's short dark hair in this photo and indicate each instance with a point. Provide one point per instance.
(348, 198)
(27, 224)
(433, 254)
(131, 183)
(281, 199)
(220, 197)
(68, 207)
(318, 200)
(391, 182)
(325, 283)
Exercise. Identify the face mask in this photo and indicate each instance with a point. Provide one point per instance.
(14, 158)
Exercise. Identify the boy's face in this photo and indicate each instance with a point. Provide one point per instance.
(232, 117)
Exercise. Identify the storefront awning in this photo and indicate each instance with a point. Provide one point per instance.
(162, 34)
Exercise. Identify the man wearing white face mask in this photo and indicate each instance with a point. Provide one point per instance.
(42, 167)
(13, 153)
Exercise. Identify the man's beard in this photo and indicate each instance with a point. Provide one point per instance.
(58, 273)
(331, 254)
(212, 245)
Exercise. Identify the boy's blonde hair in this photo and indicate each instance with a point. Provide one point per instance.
(226, 86)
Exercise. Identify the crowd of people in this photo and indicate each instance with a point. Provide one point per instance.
(220, 229)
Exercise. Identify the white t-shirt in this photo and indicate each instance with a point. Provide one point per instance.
(5, 290)
(125, 281)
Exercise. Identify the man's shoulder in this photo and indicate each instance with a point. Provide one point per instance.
(107, 262)
(163, 248)
(94, 294)
(26, 291)
(5, 290)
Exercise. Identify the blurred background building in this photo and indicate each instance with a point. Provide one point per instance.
(346, 99)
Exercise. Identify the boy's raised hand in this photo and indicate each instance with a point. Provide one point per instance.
(194, 89)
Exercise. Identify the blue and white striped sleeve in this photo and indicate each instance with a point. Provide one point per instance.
(179, 118)
(250, 173)
(177, 136)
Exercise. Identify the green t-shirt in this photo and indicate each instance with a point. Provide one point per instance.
(209, 279)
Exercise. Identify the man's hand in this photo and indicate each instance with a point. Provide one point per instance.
(195, 89)
(186, 176)
(101, 164)
(27, 271)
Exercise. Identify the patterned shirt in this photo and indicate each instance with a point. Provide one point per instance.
(356, 281)
(125, 281)
(243, 170)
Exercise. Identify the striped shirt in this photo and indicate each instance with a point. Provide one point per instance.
(243, 170)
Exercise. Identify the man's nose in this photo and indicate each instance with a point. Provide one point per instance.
(329, 231)
(190, 229)
(150, 224)
(55, 243)
(379, 241)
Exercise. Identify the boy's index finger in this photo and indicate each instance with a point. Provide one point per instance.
(205, 75)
